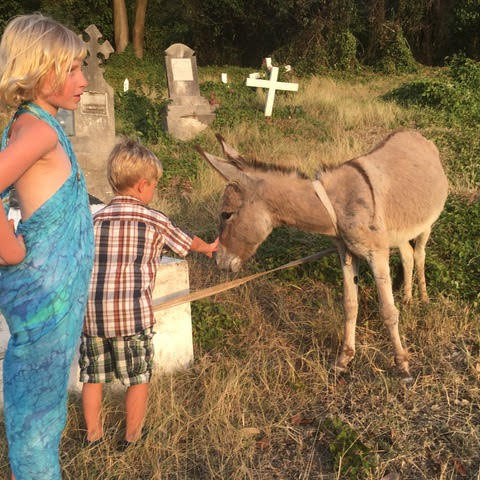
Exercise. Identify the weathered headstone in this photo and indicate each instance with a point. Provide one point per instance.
(272, 86)
(188, 113)
(173, 339)
(92, 125)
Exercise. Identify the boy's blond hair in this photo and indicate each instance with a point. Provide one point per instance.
(32, 46)
(129, 162)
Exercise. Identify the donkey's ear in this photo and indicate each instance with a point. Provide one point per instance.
(227, 169)
(230, 152)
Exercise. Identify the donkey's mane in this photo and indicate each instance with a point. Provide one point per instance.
(268, 167)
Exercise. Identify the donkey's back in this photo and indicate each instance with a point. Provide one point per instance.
(407, 183)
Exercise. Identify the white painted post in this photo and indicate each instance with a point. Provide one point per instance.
(126, 85)
(224, 78)
(272, 86)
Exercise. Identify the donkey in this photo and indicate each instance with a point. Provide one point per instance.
(386, 198)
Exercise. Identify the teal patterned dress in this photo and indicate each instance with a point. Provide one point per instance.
(43, 301)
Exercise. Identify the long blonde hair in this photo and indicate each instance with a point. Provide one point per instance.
(33, 46)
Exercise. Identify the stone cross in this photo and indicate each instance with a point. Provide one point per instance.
(93, 62)
(94, 119)
(272, 86)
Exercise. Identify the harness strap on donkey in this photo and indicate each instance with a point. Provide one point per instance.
(322, 195)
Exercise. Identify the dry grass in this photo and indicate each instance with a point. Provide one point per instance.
(257, 405)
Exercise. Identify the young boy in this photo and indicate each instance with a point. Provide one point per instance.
(117, 335)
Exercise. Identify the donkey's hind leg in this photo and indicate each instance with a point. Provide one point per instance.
(406, 254)
(388, 312)
(419, 255)
(350, 305)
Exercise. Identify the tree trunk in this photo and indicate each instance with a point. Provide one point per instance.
(120, 25)
(139, 26)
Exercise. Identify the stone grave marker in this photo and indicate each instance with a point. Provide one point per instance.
(272, 85)
(91, 126)
(188, 113)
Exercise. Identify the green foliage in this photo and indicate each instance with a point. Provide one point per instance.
(210, 323)
(394, 54)
(320, 52)
(307, 53)
(311, 35)
(353, 459)
(453, 258)
(466, 27)
(140, 117)
(286, 244)
(461, 151)
(75, 14)
(165, 24)
(453, 98)
(8, 10)
(139, 112)
(235, 103)
(180, 164)
(345, 57)
(146, 76)
(78, 15)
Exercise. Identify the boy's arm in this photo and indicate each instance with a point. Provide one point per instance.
(198, 245)
(12, 248)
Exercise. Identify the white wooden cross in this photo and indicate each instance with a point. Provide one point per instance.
(272, 86)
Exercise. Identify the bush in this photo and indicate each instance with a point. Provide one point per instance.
(345, 51)
(394, 54)
(453, 98)
(140, 117)
(453, 258)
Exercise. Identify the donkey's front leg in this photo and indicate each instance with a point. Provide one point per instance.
(350, 305)
(389, 313)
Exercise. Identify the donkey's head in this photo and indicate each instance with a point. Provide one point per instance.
(245, 219)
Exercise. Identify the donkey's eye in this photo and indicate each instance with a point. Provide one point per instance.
(226, 215)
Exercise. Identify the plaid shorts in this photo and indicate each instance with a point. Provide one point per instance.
(130, 359)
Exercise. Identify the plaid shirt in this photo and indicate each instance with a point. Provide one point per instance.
(129, 239)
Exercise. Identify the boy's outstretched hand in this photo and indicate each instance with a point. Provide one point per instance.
(198, 245)
(213, 247)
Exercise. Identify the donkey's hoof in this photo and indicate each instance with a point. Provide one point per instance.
(407, 299)
(338, 368)
(406, 378)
